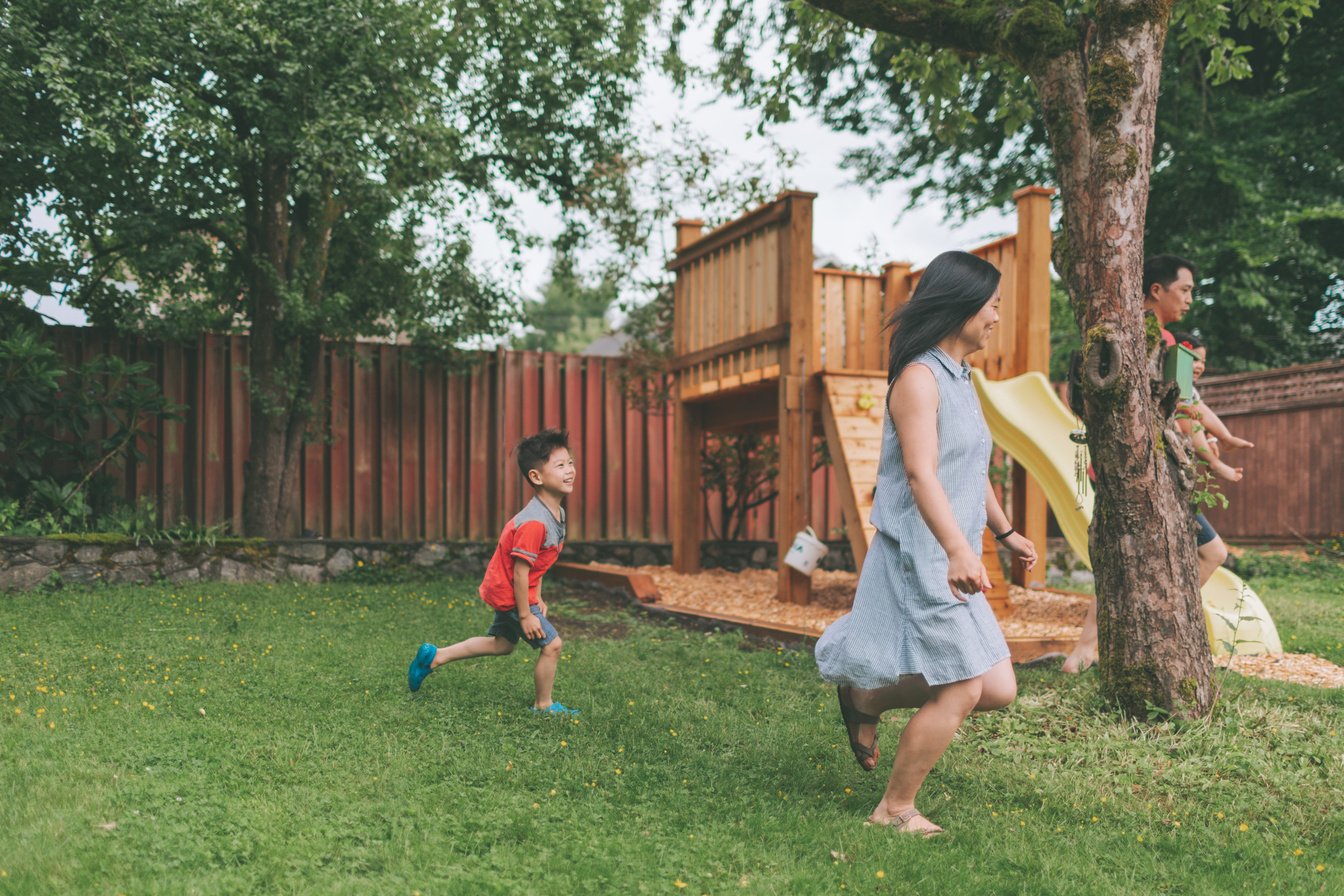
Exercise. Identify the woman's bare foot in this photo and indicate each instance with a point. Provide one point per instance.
(907, 821)
(1082, 658)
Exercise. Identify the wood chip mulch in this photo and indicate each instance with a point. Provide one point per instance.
(1299, 668)
(750, 594)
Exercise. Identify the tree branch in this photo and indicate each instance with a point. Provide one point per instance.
(1027, 33)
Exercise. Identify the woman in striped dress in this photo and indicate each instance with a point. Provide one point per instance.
(920, 633)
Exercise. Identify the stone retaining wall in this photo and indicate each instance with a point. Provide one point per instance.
(27, 563)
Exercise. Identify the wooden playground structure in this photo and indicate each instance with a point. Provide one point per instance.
(767, 343)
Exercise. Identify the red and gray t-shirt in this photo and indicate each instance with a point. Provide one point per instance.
(534, 536)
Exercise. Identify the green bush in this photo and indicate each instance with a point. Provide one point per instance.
(62, 428)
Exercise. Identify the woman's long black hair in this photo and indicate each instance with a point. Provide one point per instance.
(952, 289)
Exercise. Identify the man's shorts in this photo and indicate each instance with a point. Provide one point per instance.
(1206, 533)
(506, 625)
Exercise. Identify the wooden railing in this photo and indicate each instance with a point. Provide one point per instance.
(732, 318)
(735, 320)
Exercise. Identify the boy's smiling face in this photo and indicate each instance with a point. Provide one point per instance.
(556, 475)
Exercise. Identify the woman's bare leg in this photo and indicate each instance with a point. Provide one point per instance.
(925, 738)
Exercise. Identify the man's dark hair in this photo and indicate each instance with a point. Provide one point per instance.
(535, 450)
(1163, 270)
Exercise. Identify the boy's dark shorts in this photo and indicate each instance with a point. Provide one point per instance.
(506, 625)
(1206, 533)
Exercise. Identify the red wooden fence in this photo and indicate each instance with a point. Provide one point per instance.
(1293, 485)
(413, 451)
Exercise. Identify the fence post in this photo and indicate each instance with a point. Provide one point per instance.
(1031, 350)
(895, 293)
(688, 434)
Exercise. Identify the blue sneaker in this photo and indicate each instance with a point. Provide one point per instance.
(556, 709)
(420, 665)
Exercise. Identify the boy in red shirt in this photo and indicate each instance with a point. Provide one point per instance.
(528, 546)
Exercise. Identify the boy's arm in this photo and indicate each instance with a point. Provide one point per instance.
(530, 624)
(541, 602)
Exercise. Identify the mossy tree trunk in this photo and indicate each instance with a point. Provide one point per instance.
(1101, 107)
(1097, 79)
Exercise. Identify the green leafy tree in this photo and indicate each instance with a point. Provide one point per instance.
(1248, 182)
(302, 171)
(572, 311)
(986, 95)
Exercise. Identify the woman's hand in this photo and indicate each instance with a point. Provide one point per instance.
(1020, 545)
(966, 574)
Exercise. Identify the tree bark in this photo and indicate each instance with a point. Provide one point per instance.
(289, 254)
(1100, 106)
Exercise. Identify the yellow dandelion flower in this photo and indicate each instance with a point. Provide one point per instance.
(679, 884)
(1243, 827)
(1320, 868)
(1297, 852)
(880, 874)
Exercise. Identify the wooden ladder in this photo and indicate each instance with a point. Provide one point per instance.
(851, 412)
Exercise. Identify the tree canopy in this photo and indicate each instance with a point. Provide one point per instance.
(304, 170)
(1248, 179)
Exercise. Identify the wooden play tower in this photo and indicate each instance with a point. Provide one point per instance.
(766, 343)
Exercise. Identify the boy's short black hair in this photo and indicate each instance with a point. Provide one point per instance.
(1189, 340)
(535, 450)
(1163, 270)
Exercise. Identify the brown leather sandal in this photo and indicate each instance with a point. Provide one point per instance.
(900, 822)
(853, 718)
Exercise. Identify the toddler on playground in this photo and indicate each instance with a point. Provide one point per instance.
(528, 546)
(1210, 434)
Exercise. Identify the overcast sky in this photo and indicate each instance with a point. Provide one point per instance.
(847, 219)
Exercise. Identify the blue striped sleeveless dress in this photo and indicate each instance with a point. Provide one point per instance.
(904, 620)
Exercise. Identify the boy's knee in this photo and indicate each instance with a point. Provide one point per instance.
(553, 647)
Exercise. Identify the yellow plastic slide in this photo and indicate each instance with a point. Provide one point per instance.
(1027, 419)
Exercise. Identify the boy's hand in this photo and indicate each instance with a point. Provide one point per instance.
(531, 625)
(541, 606)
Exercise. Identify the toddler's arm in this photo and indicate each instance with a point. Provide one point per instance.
(1218, 428)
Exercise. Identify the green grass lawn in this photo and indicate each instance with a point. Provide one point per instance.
(256, 739)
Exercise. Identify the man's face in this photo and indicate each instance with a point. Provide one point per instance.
(1170, 302)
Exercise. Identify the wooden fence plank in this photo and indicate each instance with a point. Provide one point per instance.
(315, 485)
(614, 479)
(364, 441)
(593, 473)
(431, 413)
(212, 428)
(389, 445)
(411, 483)
(340, 472)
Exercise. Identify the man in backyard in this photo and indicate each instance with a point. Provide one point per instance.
(1168, 289)
(530, 543)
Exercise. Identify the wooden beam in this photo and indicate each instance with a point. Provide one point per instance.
(686, 510)
(796, 415)
(1031, 350)
(777, 333)
(640, 585)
